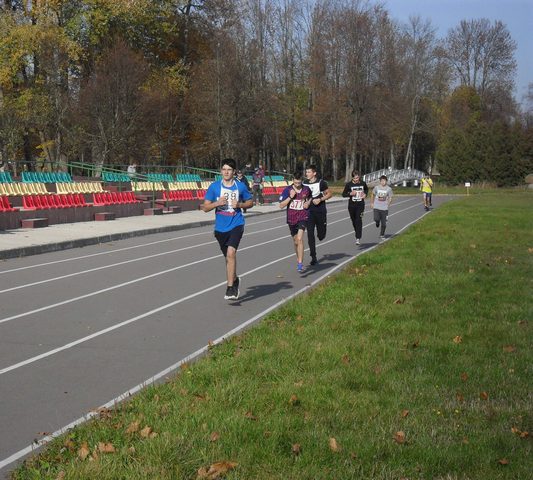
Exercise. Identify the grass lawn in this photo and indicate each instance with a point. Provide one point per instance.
(410, 364)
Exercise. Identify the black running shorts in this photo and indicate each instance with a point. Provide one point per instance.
(230, 239)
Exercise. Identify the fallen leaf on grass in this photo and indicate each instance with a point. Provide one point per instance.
(217, 470)
(299, 384)
(399, 437)
(399, 300)
(294, 401)
(471, 270)
(530, 250)
(457, 339)
(509, 348)
(415, 344)
(484, 396)
(503, 461)
(133, 427)
(296, 449)
(145, 432)
(214, 437)
(345, 359)
(69, 443)
(106, 447)
(333, 445)
(299, 317)
(464, 376)
(519, 432)
(61, 475)
(83, 451)
(405, 413)
(459, 396)
(250, 416)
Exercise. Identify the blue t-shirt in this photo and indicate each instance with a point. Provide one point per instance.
(227, 218)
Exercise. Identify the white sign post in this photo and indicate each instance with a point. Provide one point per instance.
(467, 185)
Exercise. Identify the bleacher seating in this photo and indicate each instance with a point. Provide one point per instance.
(160, 177)
(178, 195)
(46, 177)
(5, 177)
(115, 177)
(5, 206)
(205, 184)
(79, 187)
(183, 185)
(113, 198)
(188, 177)
(41, 202)
(18, 189)
(147, 186)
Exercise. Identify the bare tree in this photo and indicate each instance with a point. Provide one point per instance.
(481, 54)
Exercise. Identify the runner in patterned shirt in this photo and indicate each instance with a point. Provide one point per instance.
(380, 202)
(228, 197)
(297, 198)
(317, 210)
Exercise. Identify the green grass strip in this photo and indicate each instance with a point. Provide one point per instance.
(414, 363)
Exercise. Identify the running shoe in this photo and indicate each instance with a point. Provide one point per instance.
(300, 267)
(231, 293)
(377, 224)
(382, 238)
(313, 261)
(236, 285)
(357, 241)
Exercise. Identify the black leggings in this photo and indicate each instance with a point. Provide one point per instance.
(316, 219)
(356, 211)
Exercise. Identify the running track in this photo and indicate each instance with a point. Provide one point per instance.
(86, 327)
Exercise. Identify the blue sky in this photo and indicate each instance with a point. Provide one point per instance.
(517, 15)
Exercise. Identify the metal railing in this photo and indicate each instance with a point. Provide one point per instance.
(394, 176)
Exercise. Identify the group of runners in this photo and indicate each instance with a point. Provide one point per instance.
(305, 203)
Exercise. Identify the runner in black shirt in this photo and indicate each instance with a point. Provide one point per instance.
(317, 211)
(356, 190)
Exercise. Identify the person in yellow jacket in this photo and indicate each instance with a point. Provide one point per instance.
(426, 185)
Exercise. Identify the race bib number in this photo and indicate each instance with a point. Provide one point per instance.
(296, 204)
(359, 191)
(231, 197)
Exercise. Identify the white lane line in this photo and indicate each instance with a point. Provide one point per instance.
(164, 307)
(112, 403)
(146, 277)
(147, 244)
(126, 262)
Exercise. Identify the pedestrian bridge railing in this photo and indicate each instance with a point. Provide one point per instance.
(394, 176)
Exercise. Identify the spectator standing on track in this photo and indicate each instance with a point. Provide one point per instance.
(317, 210)
(228, 197)
(257, 185)
(297, 199)
(356, 190)
(380, 201)
(241, 178)
(426, 185)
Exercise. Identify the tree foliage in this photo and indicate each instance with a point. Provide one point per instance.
(340, 84)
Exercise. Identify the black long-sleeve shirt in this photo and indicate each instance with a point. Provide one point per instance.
(358, 187)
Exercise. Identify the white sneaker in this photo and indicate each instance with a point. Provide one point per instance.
(382, 238)
(357, 241)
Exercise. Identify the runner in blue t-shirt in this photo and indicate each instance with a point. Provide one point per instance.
(228, 197)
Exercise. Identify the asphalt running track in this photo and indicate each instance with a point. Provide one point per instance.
(84, 328)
